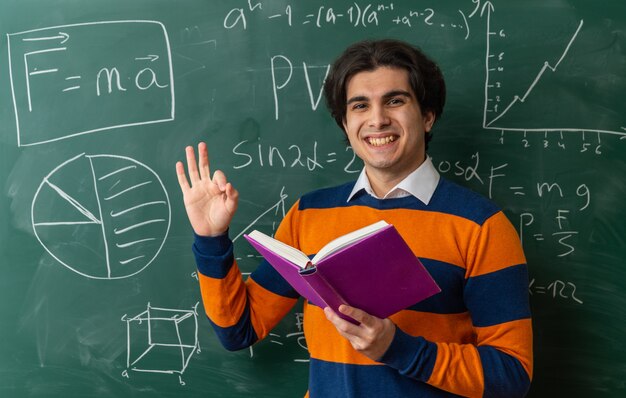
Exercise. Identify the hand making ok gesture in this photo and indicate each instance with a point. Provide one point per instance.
(210, 203)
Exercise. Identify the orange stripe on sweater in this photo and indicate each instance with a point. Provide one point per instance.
(227, 290)
(514, 338)
(325, 343)
(453, 234)
(266, 308)
(458, 369)
(487, 257)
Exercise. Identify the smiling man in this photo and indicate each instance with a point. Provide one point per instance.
(472, 339)
(385, 126)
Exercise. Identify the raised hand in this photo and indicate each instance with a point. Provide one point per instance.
(210, 203)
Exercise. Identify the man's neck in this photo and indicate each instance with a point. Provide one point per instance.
(382, 182)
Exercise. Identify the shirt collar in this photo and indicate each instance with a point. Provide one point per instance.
(421, 183)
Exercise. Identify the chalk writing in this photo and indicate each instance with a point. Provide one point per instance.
(468, 172)
(557, 289)
(564, 236)
(541, 187)
(49, 72)
(354, 14)
(257, 154)
(296, 336)
(578, 197)
(555, 139)
(282, 62)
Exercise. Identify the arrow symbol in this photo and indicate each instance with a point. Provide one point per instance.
(150, 58)
(487, 6)
(62, 35)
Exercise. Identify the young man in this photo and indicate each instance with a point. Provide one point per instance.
(472, 339)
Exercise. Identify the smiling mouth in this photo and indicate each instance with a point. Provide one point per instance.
(380, 141)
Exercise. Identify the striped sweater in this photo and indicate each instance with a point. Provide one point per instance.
(472, 339)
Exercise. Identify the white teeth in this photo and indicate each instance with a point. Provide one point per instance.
(381, 141)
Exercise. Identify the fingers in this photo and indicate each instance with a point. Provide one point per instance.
(348, 330)
(358, 315)
(182, 178)
(219, 179)
(361, 317)
(203, 154)
(224, 187)
(371, 337)
(192, 167)
(344, 326)
(200, 171)
(232, 198)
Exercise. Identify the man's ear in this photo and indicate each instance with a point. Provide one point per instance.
(429, 120)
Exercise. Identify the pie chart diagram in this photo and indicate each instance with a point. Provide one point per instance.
(102, 216)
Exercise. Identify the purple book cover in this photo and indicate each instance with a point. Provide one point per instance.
(378, 274)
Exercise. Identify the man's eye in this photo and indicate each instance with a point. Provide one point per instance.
(358, 106)
(395, 101)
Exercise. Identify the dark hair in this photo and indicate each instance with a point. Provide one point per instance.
(425, 77)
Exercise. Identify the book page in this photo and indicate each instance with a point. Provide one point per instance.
(282, 249)
(348, 239)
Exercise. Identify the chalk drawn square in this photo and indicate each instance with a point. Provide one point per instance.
(77, 79)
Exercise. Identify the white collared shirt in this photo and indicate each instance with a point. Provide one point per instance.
(421, 183)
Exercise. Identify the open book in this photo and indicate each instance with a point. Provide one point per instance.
(372, 269)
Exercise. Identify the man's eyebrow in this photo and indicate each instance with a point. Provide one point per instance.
(358, 98)
(395, 93)
(390, 94)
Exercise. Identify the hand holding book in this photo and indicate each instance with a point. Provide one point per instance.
(369, 335)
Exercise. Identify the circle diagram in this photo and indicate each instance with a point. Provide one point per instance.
(102, 216)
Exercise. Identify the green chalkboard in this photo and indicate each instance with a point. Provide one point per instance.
(99, 295)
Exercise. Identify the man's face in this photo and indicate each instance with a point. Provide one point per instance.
(384, 122)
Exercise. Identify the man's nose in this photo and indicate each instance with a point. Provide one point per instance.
(378, 117)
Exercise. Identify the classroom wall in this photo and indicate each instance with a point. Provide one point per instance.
(99, 291)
